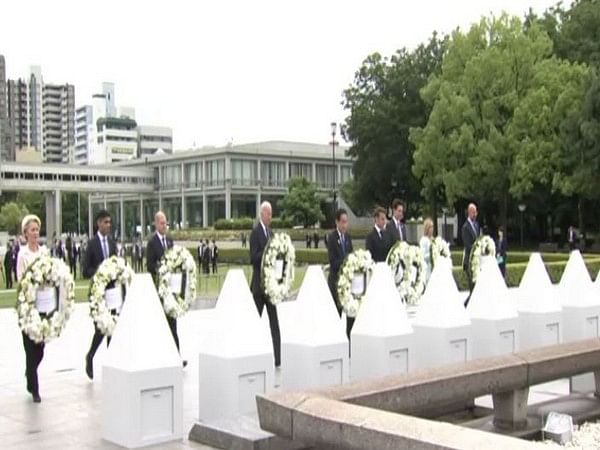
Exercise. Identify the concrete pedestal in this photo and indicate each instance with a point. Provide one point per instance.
(142, 378)
(382, 337)
(314, 349)
(495, 322)
(236, 360)
(540, 314)
(442, 327)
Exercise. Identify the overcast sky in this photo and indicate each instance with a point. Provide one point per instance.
(225, 70)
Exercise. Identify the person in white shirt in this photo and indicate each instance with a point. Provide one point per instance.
(425, 244)
(34, 353)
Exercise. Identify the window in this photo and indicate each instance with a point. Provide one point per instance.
(193, 175)
(301, 170)
(346, 174)
(243, 172)
(324, 176)
(272, 173)
(215, 172)
(171, 177)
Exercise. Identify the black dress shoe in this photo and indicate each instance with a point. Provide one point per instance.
(89, 368)
(36, 398)
(184, 363)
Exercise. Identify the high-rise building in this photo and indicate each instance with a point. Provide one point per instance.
(151, 139)
(7, 151)
(58, 123)
(84, 134)
(42, 117)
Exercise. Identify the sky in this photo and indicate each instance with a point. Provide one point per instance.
(225, 71)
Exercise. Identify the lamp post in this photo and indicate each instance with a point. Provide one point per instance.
(445, 212)
(522, 208)
(333, 143)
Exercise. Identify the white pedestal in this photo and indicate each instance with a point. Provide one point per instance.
(142, 379)
(539, 329)
(142, 407)
(377, 356)
(440, 346)
(494, 317)
(494, 337)
(228, 386)
(236, 359)
(382, 337)
(305, 365)
(314, 348)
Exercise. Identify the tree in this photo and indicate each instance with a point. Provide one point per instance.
(469, 146)
(301, 204)
(11, 215)
(383, 104)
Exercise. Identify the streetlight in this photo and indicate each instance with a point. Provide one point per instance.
(522, 207)
(333, 143)
(445, 212)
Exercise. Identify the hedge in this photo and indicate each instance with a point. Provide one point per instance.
(244, 223)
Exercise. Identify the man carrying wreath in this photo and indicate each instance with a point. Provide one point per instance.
(258, 241)
(99, 248)
(158, 243)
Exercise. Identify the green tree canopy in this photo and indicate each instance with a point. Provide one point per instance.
(11, 215)
(301, 204)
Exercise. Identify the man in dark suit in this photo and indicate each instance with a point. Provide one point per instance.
(339, 245)
(100, 247)
(155, 249)
(376, 241)
(259, 237)
(8, 266)
(469, 233)
(395, 228)
(501, 251)
(214, 256)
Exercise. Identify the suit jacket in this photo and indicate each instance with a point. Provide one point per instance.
(469, 236)
(393, 235)
(336, 254)
(502, 248)
(377, 245)
(258, 242)
(154, 252)
(94, 255)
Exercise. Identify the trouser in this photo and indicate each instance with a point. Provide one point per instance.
(470, 283)
(96, 341)
(34, 353)
(214, 267)
(9, 282)
(173, 327)
(73, 265)
(261, 302)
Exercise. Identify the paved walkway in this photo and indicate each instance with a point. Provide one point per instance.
(69, 416)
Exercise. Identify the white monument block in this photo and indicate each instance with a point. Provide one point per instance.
(142, 379)
(540, 314)
(580, 301)
(382, 337)
(494, 318)
(236, 359)
(442, 326)
(315, 351)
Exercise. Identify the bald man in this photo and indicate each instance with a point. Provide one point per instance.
(470, 232)
(158, 243)
(258, 241)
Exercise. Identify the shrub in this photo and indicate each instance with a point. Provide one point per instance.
(244, 223)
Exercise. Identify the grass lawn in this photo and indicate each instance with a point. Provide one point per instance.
(208, 286)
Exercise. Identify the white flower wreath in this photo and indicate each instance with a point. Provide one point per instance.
(177, 301)
(439, 249)
(277, 267)
(44, 272)
(357, 264)
(408, 266)
(483, 246)
(113, 269)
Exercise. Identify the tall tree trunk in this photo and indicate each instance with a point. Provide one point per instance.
(504, 212)
(581, 222)
(434, 215)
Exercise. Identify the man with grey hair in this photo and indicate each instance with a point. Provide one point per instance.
(469, 233)
(258, 240)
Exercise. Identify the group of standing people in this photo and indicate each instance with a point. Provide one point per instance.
(208, 256)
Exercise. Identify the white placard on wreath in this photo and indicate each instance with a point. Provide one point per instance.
(408, 261)
(357, 263)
